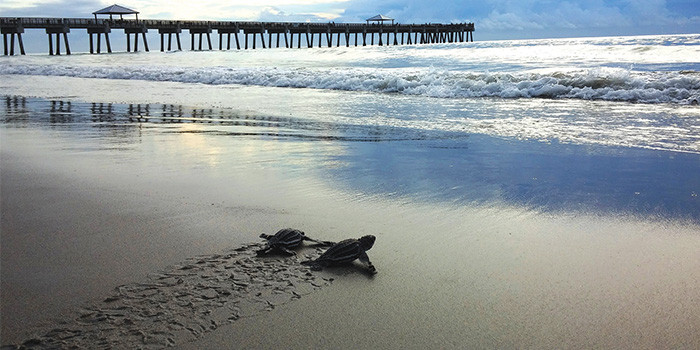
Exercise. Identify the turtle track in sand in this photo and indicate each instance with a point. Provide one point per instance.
(183, 302)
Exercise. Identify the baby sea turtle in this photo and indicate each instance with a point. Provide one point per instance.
(344, 252)
(285, 239)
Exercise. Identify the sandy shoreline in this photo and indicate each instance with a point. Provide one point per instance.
(76, 226)
(71, 235)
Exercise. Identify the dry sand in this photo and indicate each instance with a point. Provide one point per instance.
(80, 233)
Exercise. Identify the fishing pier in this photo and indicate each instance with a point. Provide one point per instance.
(231, 34)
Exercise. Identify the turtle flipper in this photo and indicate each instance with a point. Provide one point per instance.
(263, 250)
(323, 243)
(313, 264)
(365, 259)
(286, 251)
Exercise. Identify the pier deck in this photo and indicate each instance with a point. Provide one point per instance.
(269, 34)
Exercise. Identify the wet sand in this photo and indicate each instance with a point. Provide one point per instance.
(497, 278)
(81, 234)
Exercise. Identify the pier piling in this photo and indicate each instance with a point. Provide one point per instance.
(14, 31)
(170, 30)
(57, 31)
(99, 31)
(136, 30)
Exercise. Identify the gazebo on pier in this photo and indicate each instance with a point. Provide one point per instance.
(380, 19)
(116, 10)
(131, 28)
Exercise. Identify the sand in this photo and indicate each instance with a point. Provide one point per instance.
(88, 242)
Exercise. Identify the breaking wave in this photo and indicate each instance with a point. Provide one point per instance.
(600, 83)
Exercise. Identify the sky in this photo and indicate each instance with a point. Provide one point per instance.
(494, 19)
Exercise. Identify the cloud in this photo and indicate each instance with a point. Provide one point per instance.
(564, 15)
(274, 14)
(166, 9)
(493, 18)
(543, 17)
(55, 8)
(406, 11)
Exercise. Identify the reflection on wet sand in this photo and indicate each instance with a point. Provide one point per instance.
(20, 110)
(102, 112)
(16, 107)
(61, 112)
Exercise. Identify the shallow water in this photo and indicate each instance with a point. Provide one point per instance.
(388, 157)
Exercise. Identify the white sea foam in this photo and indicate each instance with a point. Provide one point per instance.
(650, 69)
(613, 84)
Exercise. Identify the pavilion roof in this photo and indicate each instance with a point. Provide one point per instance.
(115, 10)
(380, 18)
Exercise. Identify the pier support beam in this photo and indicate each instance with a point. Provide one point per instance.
(262, 36)
(99, 31)
(58, 30)
(238, 44)
(17, 31)
(228, 30)
(136, 31)
(201, 32)
(170, 31)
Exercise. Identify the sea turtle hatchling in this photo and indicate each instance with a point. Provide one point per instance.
(286, 239)
(344, 252)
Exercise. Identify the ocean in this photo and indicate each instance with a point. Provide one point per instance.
(541, 193)
(606, 124)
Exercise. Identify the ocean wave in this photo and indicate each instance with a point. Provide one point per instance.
(613, 84)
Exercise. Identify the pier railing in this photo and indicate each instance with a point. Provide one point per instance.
(394, 34)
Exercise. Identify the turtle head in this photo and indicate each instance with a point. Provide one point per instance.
(366, 242)
(264, 236)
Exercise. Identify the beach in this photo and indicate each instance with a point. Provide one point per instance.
(132, 206)
(495, 277)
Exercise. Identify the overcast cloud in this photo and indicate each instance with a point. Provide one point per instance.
(494, 19)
